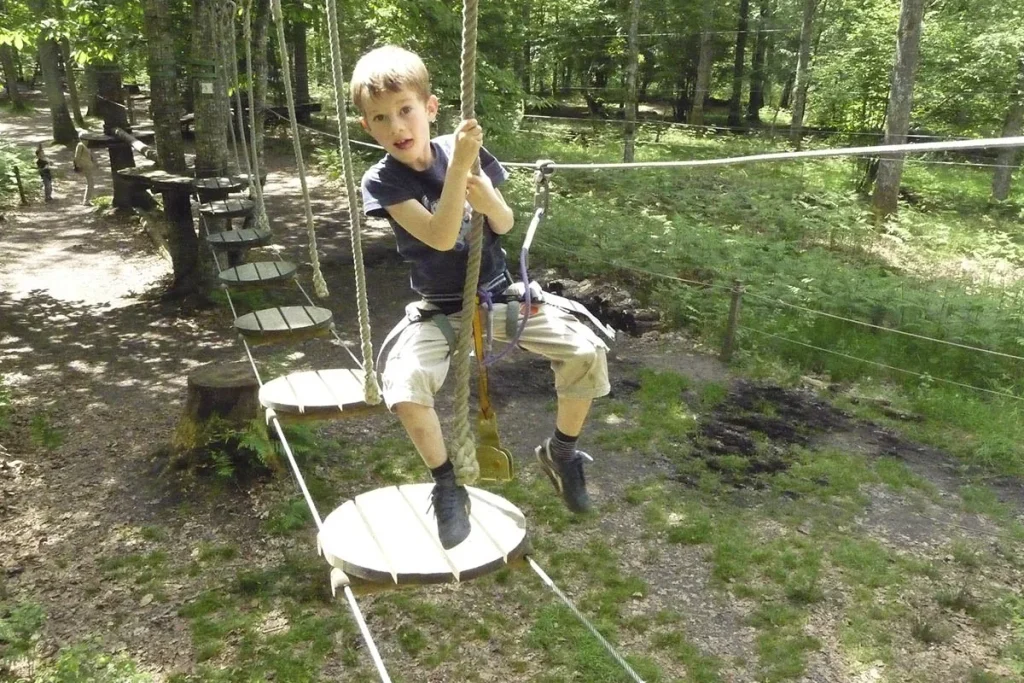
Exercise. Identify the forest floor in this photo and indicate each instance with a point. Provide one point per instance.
(745, 531)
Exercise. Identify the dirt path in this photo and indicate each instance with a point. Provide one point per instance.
(96, 374)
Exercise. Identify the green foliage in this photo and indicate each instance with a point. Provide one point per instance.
(44, 433)
(19, 629)
(11, 156)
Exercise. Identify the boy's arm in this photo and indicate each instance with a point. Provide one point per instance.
(487, 199)
(438, 230)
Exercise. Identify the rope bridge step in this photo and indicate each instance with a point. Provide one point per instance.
(318, 395)
(223, 183)
(389, 537)
(283, 324)
(240, 239)
(227, 208)
(101, 140)
(258, 273)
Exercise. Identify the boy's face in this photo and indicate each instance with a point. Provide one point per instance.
(400, 122)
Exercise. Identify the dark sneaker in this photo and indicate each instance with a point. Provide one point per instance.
(451, 510)
(566, 476)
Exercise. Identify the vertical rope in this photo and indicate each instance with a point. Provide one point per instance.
(467, 469)
(261, 210)
(318, 278)
(224, 37)
(370, 387)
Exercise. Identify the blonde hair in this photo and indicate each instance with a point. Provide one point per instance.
(388, 69)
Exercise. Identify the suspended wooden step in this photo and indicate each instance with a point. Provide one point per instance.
(240, 239)
(257, 274)
(284, 323)
(318, 395)
(222, 184)
(388, 536)
(140, 174)
(95, 140)
(227, 208)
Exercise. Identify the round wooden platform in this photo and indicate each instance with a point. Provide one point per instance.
(222, 183)
(389, 536)
(98, 140)
(240, 239)
(227, 208)
(284, 323)
(258, 273)
(140, 174)
(318, 395)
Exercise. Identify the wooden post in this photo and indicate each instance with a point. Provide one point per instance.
(729, 342)
(21, 188)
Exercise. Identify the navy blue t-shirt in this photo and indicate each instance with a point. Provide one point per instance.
(436, 275)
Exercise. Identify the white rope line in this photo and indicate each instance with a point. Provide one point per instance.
(913, 148)
(367, 638)
(322, 132)
(883, 365)
(583, 620)
(272, 418)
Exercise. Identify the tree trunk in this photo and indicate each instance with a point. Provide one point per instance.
(757, 78)
(631, 69)
(901, 99)
(163, 85)
(211, 121)
(300, 67)
(221, 398)
(10, 73)
(527, 55)
(260, 33)
(704, 64)
(69, 76)
(735, 116)
(63, 127)
(1009, 156)
(803, 71)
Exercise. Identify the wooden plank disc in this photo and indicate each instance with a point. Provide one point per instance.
(240, 239)
(389, 536)
(222, 183)
(318, 395)
(227, 208)
(284, 323)
(258, 273)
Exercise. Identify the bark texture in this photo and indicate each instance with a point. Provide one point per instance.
(1012, 125)
(211, 122)
(735, 114)
(634, 58)
(901, 100)
(163, 86)
(803, 70)
(704, 64)
(60, 118)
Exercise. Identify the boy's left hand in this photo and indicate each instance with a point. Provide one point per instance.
(481, 195)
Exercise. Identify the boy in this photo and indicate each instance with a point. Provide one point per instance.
(45, 174)
(425, 189)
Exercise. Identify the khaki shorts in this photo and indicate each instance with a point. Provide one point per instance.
(417, 363)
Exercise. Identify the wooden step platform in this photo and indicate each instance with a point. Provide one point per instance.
(318, 395)
(95, 140)
(223, 184)
(227, 208)
(284, 323)
(240, 239)
(258, 273)
(389, 536)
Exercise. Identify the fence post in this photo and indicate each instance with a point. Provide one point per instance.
(729, 342)
(21, 188)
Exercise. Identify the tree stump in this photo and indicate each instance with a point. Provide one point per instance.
(221, 421)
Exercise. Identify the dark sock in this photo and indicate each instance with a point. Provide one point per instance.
(563, 446)
(444, 474)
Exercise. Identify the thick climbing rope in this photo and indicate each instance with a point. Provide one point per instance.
(255, 181)
(224, 33)
(319, 285)
(370, 387)
(463, 455)
(260, 210)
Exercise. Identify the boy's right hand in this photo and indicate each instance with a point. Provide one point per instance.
(469, 138)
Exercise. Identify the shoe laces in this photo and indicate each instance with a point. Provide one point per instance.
(444, 501)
